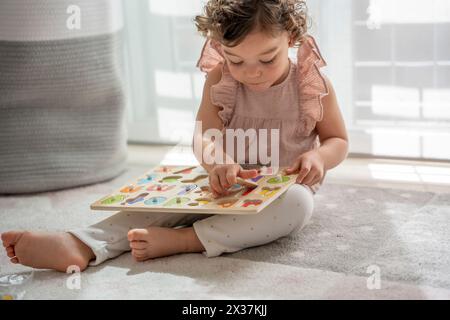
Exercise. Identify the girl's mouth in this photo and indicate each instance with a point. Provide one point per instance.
(256, 84)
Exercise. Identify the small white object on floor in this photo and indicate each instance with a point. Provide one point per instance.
(13, 286)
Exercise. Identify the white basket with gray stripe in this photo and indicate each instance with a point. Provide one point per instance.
(62, 117)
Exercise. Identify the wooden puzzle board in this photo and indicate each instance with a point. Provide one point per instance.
(186, 190)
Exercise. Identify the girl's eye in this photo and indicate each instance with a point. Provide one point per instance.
(268, 62)
(236, 63)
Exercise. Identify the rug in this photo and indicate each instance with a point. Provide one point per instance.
(362, 243)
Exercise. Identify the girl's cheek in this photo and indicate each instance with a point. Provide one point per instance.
(279, 67)
(235, 73)
(278, 70)
(271, 69)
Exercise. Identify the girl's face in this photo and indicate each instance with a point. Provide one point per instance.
(260, 61)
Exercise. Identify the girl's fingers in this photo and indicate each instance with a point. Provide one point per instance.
(215, 195)
(316, 180)
(215, 183)
(223, 181)
(294, 167)
(319, 177)
(231, 176)
(309, 179)
(304, 171)
(248, 174)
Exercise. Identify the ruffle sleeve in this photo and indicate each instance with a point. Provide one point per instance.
(210, 56)
(223, 94)
(312, 85)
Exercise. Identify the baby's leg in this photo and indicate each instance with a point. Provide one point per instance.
(46, 250)
(113, 236)
(104, 240)
(136, 231)
(231, 233)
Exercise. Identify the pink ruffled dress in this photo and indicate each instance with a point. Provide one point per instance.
(293, 106)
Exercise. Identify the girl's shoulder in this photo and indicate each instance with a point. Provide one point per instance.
(311, 84)
(221, 85)
(309, 60)
(210, 56)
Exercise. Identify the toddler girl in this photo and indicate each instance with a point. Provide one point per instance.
(251, 84)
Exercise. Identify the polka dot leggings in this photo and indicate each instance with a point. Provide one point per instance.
(218, 233)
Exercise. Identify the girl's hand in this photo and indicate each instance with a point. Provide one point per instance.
(223, 176)
(310, 167)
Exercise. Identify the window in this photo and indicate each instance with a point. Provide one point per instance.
(402, 75)
(388, 60)
(390, 64)
(164, 86)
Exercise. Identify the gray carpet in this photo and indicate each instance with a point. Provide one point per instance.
(403, 233)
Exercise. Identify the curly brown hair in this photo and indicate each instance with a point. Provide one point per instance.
(230, 21)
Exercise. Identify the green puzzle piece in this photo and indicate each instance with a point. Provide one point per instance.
(114, 199)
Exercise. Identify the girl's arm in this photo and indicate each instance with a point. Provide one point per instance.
(332, 132)
(208, 115)
(313, 164)
(221, 176)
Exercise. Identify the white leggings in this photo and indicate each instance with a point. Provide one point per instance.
(217, 233)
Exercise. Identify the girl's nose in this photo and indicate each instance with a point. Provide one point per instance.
(253, 72)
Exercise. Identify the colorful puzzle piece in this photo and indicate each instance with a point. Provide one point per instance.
(269, 191)
(148, 179)
(113, 199)
(160, 188)
(130, 189)
(186, 189)
(154, 201)
(137, 199)
(178, 201)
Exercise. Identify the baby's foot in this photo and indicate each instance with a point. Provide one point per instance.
(154, 242)
(45, 250)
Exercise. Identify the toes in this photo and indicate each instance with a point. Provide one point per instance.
(139, 256)
(138, 253)
(3, 237)
(10, 252)
(10, 238)
(137, 235)
(14, 260)
(138, 245)
(141, 259)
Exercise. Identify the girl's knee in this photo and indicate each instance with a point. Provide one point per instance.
(300, 203)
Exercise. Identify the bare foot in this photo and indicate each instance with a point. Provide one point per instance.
(154, 242)
(45, 250)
